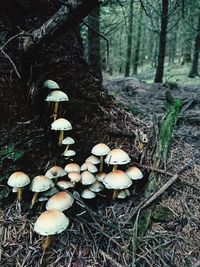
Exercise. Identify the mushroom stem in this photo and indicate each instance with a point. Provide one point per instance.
(19, 193)
(47, 242)
(101, 164)
(35, 196)
(115, 167)
(65, 149)
(115, 194)
(61, 137)
(55, 111)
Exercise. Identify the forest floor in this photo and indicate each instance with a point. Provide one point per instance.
(103, 236)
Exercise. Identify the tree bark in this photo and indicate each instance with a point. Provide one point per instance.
(137, 46)
(195, 60)
(162, 43)
(94, 51)
(129, 41)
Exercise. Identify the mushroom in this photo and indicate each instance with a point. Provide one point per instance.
(55, 172)
(134, 173)
(49, 223)
(72, 167)
(92, 159)
(100, 150)
(117, 157)
(50, 84)
(96, 187)
(117, 180)
(74, 177)
(39, 184)
(56, 97)
(67, 141)
(61, 125)
(123, 194)
(60, 201)
(88, 194)
(87, 178)
(18, 180)
(69, 153)
(52, 191)
(87, 166)
(65, 184)
(100, 176)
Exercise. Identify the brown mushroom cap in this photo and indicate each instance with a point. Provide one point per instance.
(60, 201)
(18, 179)
(74, 177)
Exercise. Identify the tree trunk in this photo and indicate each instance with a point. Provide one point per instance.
(94, 52)
(137, 46)
(195, 60)
(129, 40)
(162, 44)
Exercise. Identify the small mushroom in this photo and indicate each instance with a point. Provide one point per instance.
(50, 84)
(56, 97)
(52, 191)
(72, 167)
(88, 166)
(60, 201)
(67, 141)
(117, 157)
(100, 176)
(96, 187)
(87, 178)
(134, 173)
(18, 180)
(117, 180)
(92, 159)
(61, 125)
(62, 184)
(100, 150)
(74, 177)
(50, 223)
(39, 184)
(55, 172)
(88, 194)
(69, 153)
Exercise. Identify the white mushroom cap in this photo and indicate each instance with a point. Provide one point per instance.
(68, 141)
(117, 180)
(72, 167)
(92, 159)
(55, 172)
(51, 222)
(87, 194)
(61, 125)
(87, 178)
(50, 192)
(100, 150)
(69, 153)
(41, 183)
(74, 177)
(117, 156)
(100, 176)
(88, 166)
(127, 192)
(60, 201)
(122, 194)
(50, 84)
(65, 184)
(18, 179)
(134, 173)
(42, 199)
(57, 96)
(14, 189)
(96, 187)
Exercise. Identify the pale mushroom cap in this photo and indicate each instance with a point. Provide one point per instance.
(87, 178)
(55, 172)
(117, 180)
(52, 191)
(92, 159)
(60, 201)
(65, 184)
(51, 84)
(96, 187)
(88, 166)
(42, 199)
(74, 177)
(51, 222)
(117, 156)
(61, 125)
(134, 173)
(100, 150)
(100, 176)
(68, 141)
(18, 179)
(127, 192)
(41, 183)
(69, 153)
(57, 96)
(87, 194)
(72, 167)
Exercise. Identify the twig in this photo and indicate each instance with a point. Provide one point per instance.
(152, 169)
(11, 61)
(109, 258)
